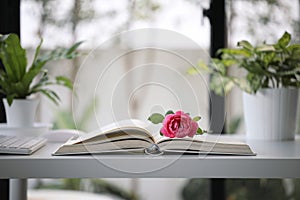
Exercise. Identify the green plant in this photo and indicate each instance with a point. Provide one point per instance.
(265, 66)
(18, 81)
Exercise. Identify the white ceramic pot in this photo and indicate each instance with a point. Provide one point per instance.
(21, 113)
(271, 114)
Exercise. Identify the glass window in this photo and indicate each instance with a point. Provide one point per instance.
(107, 80)
(180, 43)
(119, 77)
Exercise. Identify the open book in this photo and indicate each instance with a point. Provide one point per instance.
(134, 137)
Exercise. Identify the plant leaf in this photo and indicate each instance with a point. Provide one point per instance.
(192, 71)
(13, 56)
(10, 99)
(293, 47)
(74, 47)
(284, 40)
(197, 118)
(199, 131)
(243, 84)
(245, 44)
(51, 95)
(169, 112)
(237, 52)
(64, 81)
(221, 85)
(265, 47)
(37, 51)
(156, 118)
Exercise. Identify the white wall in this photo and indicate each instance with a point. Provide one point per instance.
(134, 86)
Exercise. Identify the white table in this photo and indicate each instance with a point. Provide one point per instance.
(273, 160)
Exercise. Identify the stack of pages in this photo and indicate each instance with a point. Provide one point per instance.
(131, 137)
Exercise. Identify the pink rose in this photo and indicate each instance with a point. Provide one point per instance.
(179, 125)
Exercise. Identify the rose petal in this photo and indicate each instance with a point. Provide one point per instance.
(166, 133)
(179, 125)
(194, 127)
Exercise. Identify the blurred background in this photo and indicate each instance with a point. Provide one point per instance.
(108, 91)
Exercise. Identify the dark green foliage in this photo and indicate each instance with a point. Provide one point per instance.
(17, 80)
(265, 66)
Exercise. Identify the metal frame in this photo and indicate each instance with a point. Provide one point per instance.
(217, 17)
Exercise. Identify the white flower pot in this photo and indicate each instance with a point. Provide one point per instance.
(21, 113)
(271, 114)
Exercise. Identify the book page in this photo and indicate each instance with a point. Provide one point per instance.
(112, 132)
(202, 138)
(205, 143)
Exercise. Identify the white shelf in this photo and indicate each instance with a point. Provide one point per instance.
(273, 160)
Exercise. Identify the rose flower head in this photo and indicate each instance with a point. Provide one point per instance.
(177, 124)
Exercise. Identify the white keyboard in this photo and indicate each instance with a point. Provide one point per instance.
(20, 144)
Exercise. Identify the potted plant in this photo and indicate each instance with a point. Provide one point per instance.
(269, 75)
(19, 82)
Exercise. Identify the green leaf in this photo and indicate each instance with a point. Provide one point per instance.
(161, 134)
(229, 62)
(221, 85)
(64, 81)
(265, 47)
(197, 118)
(201, 67)
(192, 71)
(288, 72)
(267, 58)
(59, 53)
(284, 40)
(242, 84)
(37, 51)
(245, 44)
(293, 47)
(156, 118)
(218, 66)
(228, 86)
(43, 81)
(199, 131)
(254, 67)
(51, 95)
(13, 56)
(169, 112)
(74, 47)
(236, 52)
(10, 99)
(255, 81)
